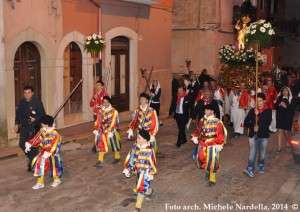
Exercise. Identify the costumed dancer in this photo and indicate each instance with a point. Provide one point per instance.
(210, 136)
(106, 134)
(145, 118)
(96, 102)
(49, 159)
(143, 162)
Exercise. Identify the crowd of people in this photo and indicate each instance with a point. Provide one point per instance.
(195, 100)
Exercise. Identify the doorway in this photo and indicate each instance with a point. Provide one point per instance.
(72, 76)
(120, 73)
(27, 70)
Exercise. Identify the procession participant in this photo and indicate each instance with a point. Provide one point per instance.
(106, 134)
(181, 115)
(244, 97)
(200, 93)
(258, 134)
(218, 94)
(49, 159)
(243, 106)
(28, 115)
(96, 102)
(273, 96)
(210, 136)
(155, 93)
(143, 162)
(285, 110)
(204, 77)
(237, 114)
(207, 99)
(145, 118)
(264, 90)
(228, 98)
(193, 89)
(175, 85)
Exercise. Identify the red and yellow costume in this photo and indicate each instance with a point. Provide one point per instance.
(107, 122)
(145, 119)
(143, 161)
(209, 132)
(49, 141)
(96, 103)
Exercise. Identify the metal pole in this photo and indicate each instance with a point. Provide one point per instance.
(60, 107)
(256, 77)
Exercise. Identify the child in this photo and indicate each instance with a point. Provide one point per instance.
(258, 121)
(142, 159)
(145, 118)
(106, 133)
(212, 135)
(49, 159)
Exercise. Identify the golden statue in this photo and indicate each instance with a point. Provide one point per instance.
(242, 26)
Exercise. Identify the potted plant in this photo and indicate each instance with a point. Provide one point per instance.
(94, 44)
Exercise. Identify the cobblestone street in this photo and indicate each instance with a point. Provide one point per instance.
(178, 185)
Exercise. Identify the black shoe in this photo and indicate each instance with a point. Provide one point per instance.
(237, 135)
(178, 144)
(211, 184)
(98, 164)
(206, 176)
(116, 161)
(29, 169)
(183, 142)
(94, 149)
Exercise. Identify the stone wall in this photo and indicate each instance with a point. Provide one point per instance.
(199, 28)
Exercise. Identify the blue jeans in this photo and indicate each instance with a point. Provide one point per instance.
(257, 145)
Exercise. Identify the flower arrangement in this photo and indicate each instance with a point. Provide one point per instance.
(229, 55)
(260, 32)
(94, 43)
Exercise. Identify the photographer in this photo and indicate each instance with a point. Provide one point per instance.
(28, 115)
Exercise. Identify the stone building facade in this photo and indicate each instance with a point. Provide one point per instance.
(42, 44)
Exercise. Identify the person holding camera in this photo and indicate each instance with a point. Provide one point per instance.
(28, 115)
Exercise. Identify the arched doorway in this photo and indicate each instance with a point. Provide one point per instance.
(120, 73)
(27, 70)
(72, 75)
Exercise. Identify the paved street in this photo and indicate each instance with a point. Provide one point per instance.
(177, 185)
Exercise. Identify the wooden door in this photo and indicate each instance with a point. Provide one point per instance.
(27, 70)
(72, 75)
(120, 73)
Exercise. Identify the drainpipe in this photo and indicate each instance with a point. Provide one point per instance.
(199, 17)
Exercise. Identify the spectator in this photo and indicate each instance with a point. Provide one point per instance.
(28, 115)
(155, 93)
(285, 110)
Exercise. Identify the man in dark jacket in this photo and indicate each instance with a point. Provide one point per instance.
(258, 134)
(207, 99)
(27, 121)
(181, 114)
(175, 85)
